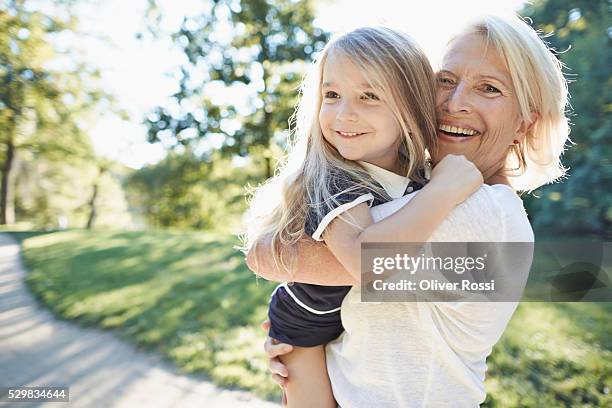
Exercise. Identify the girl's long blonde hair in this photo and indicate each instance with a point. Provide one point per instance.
(399, 70)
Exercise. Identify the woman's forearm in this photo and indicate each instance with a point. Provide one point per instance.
(314, 264)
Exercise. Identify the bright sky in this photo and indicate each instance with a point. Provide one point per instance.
(135, 70)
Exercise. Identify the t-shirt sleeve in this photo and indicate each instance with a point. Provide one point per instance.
(346, 194)
(516, 226)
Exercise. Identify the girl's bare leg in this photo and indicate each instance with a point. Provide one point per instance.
(308, 384)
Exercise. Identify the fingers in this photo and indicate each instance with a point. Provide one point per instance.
(280, 380)
(274, 349)
(284, 400)
(276, 367)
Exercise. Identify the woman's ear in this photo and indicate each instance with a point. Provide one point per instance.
(527, 125)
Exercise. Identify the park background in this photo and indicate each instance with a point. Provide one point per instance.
(130, 131)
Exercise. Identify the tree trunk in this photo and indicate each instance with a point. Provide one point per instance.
(92, 206)
(6, 215)
(267, 119)
(269, 169)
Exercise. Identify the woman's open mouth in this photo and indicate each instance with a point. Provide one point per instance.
(456, 133)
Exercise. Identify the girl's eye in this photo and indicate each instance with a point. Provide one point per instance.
(490, 89)
(331, 95)
(370, 96)
(445, 81)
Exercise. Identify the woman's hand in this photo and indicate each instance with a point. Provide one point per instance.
(456, 177)
(274, 349)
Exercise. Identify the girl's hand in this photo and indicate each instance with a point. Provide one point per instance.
(456, 177)
(274, 349)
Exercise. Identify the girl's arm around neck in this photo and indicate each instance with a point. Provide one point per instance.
(414, 222)
(315, 264)
(453, 179)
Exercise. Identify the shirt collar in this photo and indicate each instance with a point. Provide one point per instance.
(394, 184)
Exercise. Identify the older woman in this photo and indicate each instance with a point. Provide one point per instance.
(501, 103)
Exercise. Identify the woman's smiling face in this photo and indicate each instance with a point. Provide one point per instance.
(478, 112)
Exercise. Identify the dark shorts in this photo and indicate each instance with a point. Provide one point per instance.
(292, 324)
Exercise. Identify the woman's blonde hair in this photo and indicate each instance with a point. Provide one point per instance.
(541, 90)
(402, 75)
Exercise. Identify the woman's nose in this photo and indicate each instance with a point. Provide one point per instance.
(458, 100)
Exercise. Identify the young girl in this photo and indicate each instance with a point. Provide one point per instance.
(364, 120)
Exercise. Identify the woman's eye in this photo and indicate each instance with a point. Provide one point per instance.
(445, 81)
(331, 95)
(370, 96)
(490, 89)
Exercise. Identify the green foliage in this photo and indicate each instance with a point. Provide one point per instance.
(583, 37)
(262, 54)
(49, 193)
(187, 192)
(41, 106)
(46, 96)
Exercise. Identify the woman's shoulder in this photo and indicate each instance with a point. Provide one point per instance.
(496, 199)
(499, 205)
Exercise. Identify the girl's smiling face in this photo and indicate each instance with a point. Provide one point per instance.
(354, 117)
(478, 112)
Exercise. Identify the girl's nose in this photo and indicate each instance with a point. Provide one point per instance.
(346, 112)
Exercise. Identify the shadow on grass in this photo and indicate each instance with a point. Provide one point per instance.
(23, 235)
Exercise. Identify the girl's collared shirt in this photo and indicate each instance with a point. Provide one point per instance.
(348, 197)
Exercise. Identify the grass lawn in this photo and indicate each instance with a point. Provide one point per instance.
(189, 296)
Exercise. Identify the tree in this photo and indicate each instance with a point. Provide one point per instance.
(184, 191)
(50, 192)
(256, 48)
(40, 108)
(582, 37)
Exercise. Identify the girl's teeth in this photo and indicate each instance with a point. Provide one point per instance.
(457, 130)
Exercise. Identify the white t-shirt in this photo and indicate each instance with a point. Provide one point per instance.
(425, 354)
